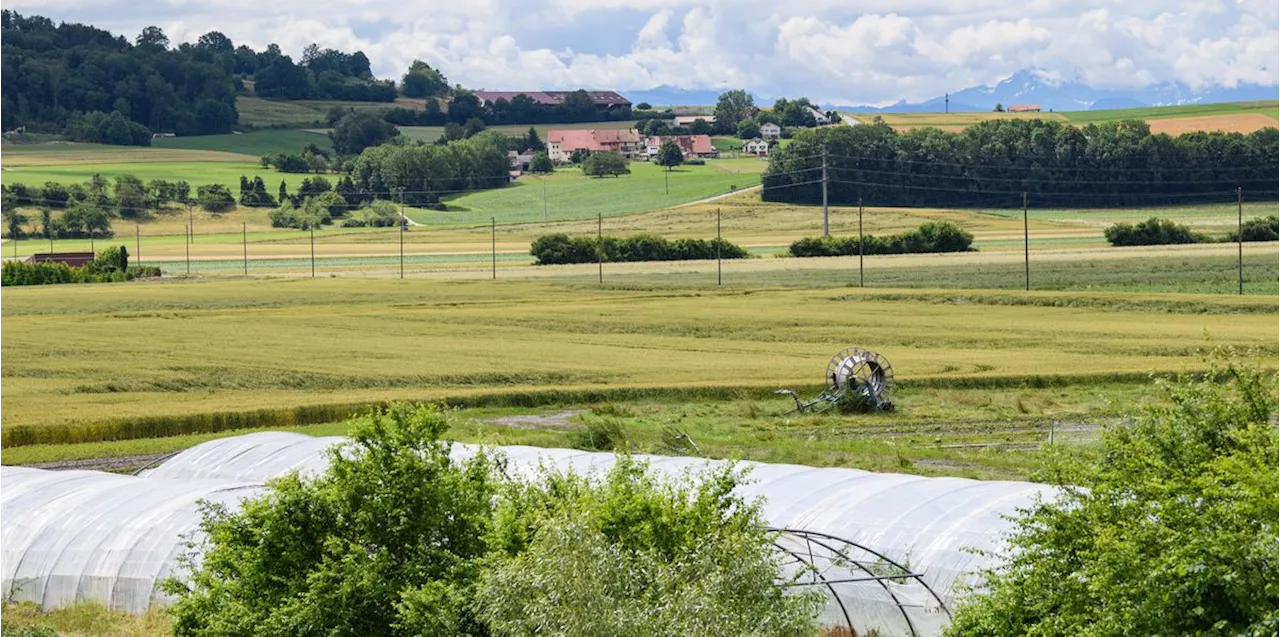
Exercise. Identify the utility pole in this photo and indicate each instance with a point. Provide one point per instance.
(666, 179)
(826, 226)
(188, 247)
(1026, 241)
(244, 241)
(1240, 239)
(313, 253)
(600, 245)
(191, 223)
(946, 99)
(493, 245)
(544, 198)
(403, 227)
(719, 242)
(137, 243)
(860, 250)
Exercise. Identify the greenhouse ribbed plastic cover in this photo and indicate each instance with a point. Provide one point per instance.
(79, 535)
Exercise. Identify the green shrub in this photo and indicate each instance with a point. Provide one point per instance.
(561, 248)
(934, 236)
(31, 630)
(310, 216)
(605, 163)
(398, 538)
(629, 553)
(1171, 532)
(1259, 229)
(602, 434)
(380, 213)
(215, 198)
(1152, 232)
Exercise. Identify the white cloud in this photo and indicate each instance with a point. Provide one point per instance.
(867, 51)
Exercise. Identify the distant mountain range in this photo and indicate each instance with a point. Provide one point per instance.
(1028, 86)
(1033, 86)
(671, 96)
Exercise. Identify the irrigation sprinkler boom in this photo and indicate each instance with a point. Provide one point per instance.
(857, 380)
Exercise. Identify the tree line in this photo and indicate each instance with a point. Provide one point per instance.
(94, 86)
(54, 77)
(993, 162)
(464, 105)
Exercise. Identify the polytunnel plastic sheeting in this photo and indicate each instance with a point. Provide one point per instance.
(68, 536)
(932, 525)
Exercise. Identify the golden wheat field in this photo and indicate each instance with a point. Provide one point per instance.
(84, 354)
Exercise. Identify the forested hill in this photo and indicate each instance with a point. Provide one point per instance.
(96, 86)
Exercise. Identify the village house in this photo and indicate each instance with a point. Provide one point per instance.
(756, 146)
(562, 143)
(1024, 108)
(769, 130)
(691, 146)
(819, 116)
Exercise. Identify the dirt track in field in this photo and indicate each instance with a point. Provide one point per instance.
(1239, 123)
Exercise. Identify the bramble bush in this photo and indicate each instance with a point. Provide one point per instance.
(934, 236)
(1173, 534)
(560, 248)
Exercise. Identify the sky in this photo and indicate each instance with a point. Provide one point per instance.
(852, 52)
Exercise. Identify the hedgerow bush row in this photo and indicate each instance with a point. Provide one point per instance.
(111, 265)
(1152, 232)
(934, 236)
(560, 248)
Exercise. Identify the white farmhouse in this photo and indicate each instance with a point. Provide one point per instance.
(769, 130)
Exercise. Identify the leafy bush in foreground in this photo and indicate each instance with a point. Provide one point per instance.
(1174, 534)
(1152, 232)
(934, 236)
(398, 538)
(553, 249)
(629, 554)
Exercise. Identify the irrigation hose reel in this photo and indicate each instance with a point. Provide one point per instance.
(856, 380)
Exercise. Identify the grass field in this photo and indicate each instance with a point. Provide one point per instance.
(255, 111)
(571, 195)
(976, 369)
(432, 133)
(254, 143)
(958, 121)
(36, 164)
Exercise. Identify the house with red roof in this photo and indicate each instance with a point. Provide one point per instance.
(693, 146)
(561, 143)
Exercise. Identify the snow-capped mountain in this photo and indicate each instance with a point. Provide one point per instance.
(1035, 86)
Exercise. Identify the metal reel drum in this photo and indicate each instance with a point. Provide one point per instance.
(854, 368)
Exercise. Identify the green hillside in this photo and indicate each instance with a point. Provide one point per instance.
(255, 143)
